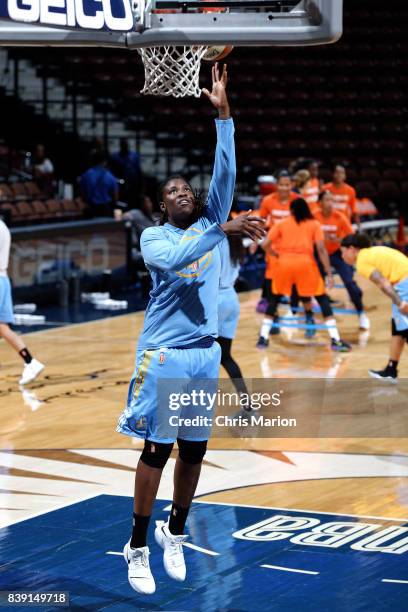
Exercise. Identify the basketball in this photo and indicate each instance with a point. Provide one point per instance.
(217, 53)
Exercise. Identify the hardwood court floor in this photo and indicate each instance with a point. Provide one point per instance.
(74, 407)
(75, 404)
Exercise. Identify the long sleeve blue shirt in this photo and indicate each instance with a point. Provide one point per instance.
(229, 269)
(185, 264)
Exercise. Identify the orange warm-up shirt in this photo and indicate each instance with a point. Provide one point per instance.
(344, 198)
(311, 193)
(335, 227)
(296, 238)
(296, 264)
(273, 210)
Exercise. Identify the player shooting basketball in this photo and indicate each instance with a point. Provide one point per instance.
(178, 341)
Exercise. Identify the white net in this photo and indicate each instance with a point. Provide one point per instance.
(172, 71)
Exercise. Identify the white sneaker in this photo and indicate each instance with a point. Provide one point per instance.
(31, 371)
(30, 399)
(173, 557)
(364, 321)
(139, 575)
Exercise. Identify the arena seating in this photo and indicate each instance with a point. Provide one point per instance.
(22, 203)
(340, 104)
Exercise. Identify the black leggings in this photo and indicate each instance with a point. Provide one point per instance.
(231, 365)
(322, 300)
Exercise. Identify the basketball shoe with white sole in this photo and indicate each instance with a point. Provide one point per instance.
(173, 556)
(363, 321)
(31, 371)
(139, 575)
(387, 375)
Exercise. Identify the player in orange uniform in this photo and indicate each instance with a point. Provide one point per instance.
(296, 238)
(314, 186)
(344, 195)
(301, 181)
(335, 227)
(276, 206)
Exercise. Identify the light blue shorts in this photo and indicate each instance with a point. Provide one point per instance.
(171, 394)
(400, 320)
(6, 304)
(228, 313)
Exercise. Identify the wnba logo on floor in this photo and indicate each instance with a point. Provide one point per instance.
(333, 534)
(113, 15)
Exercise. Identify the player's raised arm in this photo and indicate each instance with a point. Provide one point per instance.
(222, 184)
(158, 252)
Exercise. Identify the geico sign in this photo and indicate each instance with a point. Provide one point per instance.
(88, 14)
(332, 534)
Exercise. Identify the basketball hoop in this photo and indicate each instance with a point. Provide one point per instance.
(172, 71)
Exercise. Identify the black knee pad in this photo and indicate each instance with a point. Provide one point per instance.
(325, 306)
(156, 454)
(191, 452)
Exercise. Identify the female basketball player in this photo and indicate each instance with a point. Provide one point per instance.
(297, 236)
(388, 269)
(228, 307)
(32, 367)
(336, 226)
(178, 342)
(302, 183)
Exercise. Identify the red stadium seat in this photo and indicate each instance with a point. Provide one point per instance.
(32, 190)
(389, 190)
(69, 209)
(55, 208)
(393, 174)
(19, 191)
(81, 206)
(25, 211)
(370, 174)
(5, 192)
(41, 211)
(365, 189)
(10, 212)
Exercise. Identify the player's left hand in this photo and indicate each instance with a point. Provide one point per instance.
(218, 94)
(330, 281)
(246, 225)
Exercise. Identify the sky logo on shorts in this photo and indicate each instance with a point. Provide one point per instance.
(114, 15)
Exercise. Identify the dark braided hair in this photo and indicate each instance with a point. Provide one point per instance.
(237, 250)
(300, 210)
(200, 200)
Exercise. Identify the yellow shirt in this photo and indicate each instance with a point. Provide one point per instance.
(392, 264)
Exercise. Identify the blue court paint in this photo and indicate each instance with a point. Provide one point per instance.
(84, 312)
(66, 550)
(304, 325)
(336, 310)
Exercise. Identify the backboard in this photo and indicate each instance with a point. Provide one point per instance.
(146, 23)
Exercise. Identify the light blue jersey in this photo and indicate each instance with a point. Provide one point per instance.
(228, 303)
(185, 266)
(176, 344)
(229, 269)
(400, 320)
(6, 304)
